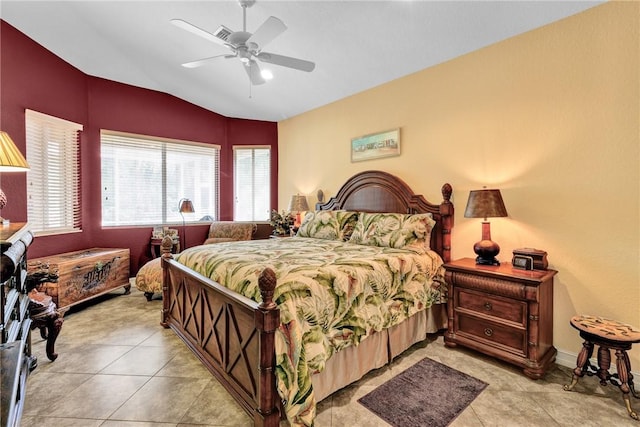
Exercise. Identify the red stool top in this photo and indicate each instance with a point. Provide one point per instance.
(606, 328)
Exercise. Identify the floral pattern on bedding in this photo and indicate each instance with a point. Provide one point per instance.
(394, 230)
(331, 225)
(331, 295)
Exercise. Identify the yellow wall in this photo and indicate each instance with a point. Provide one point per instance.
(551, 117)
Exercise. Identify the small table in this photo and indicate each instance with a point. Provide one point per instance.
(609, 335)
(156, 249)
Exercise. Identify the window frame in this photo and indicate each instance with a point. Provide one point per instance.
(163, 145)
(267, 185)
(54, 184)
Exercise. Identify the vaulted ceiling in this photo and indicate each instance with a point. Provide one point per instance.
(355, 45)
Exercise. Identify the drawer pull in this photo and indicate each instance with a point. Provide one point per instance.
(488, 332)
(488, 306)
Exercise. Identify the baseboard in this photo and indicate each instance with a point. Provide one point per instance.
(568, 359)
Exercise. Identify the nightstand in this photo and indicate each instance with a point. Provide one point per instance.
(156, 249)
(502, 311)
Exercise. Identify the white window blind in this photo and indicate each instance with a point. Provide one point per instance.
(144, 178)
(252, 183)
(53, 182)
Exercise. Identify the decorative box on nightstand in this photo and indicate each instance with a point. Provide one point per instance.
(503, 312)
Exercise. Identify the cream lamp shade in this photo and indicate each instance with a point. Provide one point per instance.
(11, 160)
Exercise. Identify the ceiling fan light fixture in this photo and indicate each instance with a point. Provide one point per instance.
(239, 38)
(266, 74)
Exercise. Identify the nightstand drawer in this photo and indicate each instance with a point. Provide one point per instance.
(491, 305)
(509, 338)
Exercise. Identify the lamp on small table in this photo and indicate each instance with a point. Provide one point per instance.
(485, 204)
(11, 160)
(185, 206)
(298, 204)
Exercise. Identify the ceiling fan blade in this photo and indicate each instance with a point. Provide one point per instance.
(253, 71)
(201, 62)
(269, 30)
(197, 31)
(286, 61)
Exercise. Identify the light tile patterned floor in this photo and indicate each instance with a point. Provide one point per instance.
(119, 368)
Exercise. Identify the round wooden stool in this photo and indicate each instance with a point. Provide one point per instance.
(606, 334)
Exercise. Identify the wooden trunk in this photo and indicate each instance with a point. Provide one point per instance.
(74, 277)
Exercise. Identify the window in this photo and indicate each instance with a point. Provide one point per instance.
(53, 182)
(144, 178)
(251, 183)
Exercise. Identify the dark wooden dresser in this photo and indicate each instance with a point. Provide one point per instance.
(503, 312)
(15, 347)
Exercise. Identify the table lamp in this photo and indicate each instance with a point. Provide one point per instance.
(298, 204)
(185, 206)
(11, 160)
(485, 204)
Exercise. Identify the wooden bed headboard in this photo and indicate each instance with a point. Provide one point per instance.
(377, 191)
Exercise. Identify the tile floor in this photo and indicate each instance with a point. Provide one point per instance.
(119, 367)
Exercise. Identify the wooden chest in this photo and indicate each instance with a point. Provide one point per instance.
(74, 277)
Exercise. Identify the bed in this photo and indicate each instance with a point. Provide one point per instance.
(263, 343)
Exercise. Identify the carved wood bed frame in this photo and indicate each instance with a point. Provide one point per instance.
(233, 336)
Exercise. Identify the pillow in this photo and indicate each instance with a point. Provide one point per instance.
(392, 230)
(329, 225)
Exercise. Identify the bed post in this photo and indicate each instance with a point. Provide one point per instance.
(446, 210)
(267, 318)
(165, 249)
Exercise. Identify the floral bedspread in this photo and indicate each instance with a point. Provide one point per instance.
(331, 295)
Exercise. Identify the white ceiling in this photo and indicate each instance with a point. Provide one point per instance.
(356, 45)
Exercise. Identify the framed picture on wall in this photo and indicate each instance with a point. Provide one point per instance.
(376, 145)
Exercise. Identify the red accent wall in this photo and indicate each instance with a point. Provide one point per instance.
(33, 78)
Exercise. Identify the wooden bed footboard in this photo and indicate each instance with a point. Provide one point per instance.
(232, 336)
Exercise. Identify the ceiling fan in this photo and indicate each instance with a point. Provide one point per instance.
(246, 46)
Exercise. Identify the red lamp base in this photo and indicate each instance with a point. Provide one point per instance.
(486, 249)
